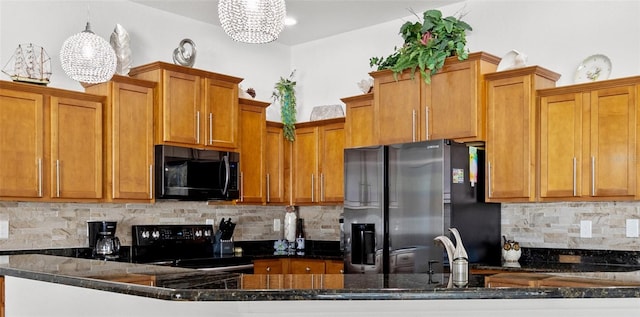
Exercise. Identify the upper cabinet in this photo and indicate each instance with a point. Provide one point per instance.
(453, 106)
(50, 144)
(128, 138)
(511, 132)
(196, 108)
(359, 126)
(588, 136)
(316, 162)
(253, 138)
(276, 168)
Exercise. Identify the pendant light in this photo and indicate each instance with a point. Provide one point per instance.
(252, 21)
(88, 58)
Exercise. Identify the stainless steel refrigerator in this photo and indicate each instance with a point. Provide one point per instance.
(398, 198)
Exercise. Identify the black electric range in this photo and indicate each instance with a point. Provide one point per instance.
(188, 246)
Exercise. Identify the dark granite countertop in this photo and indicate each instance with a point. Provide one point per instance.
(193, 285)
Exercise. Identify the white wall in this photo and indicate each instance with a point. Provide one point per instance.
(154, 35)
(557, 35)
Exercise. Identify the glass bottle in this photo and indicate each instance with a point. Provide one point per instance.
(300, 235)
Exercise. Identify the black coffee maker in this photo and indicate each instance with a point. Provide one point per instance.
(102, 239)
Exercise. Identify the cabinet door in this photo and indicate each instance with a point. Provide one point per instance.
(76, 148)
(182, 115)
(510, 140)
(334, 267)
(359, 125)
(397, 105)
(131, 143)
(21, 144)
(268, 266)
(613, 142)
(252, 147)
(275, 165)
(331, 160)
(305, 165)
(306, 266)
(220, 121)
(561, 146)
(451, 109)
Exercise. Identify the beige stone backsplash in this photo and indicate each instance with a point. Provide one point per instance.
(546, 225)
(61, 225)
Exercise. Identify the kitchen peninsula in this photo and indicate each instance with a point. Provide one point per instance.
(47, 285)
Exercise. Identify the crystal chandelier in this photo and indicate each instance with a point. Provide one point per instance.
(252, 21)
(88, 58)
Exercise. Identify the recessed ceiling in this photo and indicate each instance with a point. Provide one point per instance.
(316, 18)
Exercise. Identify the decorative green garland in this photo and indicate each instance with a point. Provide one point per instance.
(286, 94)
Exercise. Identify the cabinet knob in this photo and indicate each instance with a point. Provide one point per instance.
(268, 269)
(308, 269)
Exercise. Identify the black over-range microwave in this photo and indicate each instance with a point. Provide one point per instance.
(190, 174)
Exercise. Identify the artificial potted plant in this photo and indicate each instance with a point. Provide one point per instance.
(285, 93)
(427, 45)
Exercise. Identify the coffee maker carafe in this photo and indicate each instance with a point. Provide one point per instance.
(102, 239)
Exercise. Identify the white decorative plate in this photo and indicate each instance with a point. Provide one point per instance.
(593, 68)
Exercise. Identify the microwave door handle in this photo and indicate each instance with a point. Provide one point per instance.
(226, 174)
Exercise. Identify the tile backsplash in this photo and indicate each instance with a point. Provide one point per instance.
(540, 225)
(63, 225)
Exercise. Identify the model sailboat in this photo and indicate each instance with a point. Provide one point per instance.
(30, 63)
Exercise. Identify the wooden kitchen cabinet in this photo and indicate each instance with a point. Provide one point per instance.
(21, 142)
(128, 138)
(519, 280)
(51, 146)
(253, 145)
(453, 106)
(317, 157)
(196, 108)
(271, 266)
(359, 126)
(76, 148)
(292, 281)
(275, 166)
(588, 141)
(297, 266)
(512, 132)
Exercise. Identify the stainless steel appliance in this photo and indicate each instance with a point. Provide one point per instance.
(398, 198)
(189, 246)
(191, 174)
(102, 239)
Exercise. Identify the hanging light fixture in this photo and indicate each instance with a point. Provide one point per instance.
(252, 21)
(88, 58)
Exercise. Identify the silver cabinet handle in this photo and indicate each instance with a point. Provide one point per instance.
(322, 187)
(307, 269)
(593, 176)
(312, 187)
(426, 123)
(574, 177)
(489, 178)
(57, 178)
(413, 125)
(210, 128)
(39, 177)
(151, 181)
(268, 188)
(197, 126)
(241, 186)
